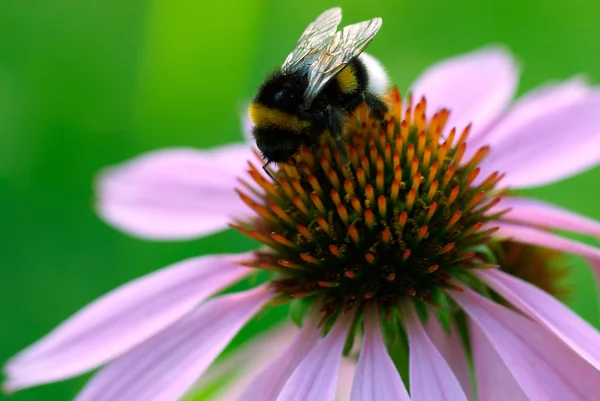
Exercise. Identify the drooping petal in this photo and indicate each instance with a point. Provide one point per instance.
(317, 375)
(267, 385)
(376, 376)
(476, 87)
(167, 365)
(543, 366)
(545, 239)
(548, 312)
(430, 376)
(122, 319)
(452, 349)
(494, 380)
(233, 375)
(227, 379)
(551, 147)
(541, 214)
(174, 193)
(533, 105)
(347, 372)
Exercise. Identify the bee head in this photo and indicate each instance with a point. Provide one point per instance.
(275, 144)
(283, 92)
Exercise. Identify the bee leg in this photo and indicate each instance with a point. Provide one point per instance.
(269, 173)
(336, 119)
(377, 107)
(297, 167)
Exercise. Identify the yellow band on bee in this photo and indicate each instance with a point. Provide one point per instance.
(267, 116)
(347, 80)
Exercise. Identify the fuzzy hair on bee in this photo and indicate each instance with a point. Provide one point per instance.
(324, 79)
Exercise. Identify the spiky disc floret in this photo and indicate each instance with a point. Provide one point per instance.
(392, 215)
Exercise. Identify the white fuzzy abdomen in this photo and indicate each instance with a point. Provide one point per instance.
(379, 82)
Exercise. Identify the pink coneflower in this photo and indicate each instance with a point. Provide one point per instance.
(417, 240)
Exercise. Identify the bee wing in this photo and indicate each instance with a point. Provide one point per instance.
(314, 40)
(341, 49)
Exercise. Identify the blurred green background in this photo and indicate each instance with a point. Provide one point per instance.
(87, 84)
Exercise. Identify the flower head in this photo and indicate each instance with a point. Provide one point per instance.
(411, 227)
(392, 223)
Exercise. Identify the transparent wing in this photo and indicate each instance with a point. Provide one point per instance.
(341, 49)
(314, 40)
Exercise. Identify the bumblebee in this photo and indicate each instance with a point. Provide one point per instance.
(326, 77)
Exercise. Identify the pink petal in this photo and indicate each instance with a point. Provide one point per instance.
(376, 376)
(534, 236)
(430, 375)
(227, 379)
(476, 87)
(545, 239)
(175, 193)
(550, 147)
(533, 105)
(267, 385)
(233, 375)
(316, 377)
(544, 367)
(541, 214)
(494, 380)
(167, 365)
(122, 319)
(548, 312)
(450, 346)
(347, 372)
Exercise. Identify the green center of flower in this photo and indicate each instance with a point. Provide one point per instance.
(394, 214)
